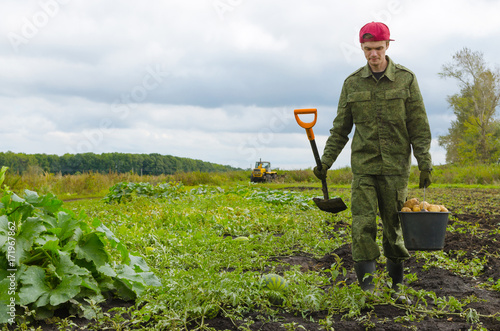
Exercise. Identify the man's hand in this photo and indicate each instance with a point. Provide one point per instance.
(321, 174)
(425, 178)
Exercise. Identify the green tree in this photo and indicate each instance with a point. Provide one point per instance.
(475, 134)
(148, 164)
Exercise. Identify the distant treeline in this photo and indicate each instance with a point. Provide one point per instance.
(146, 164)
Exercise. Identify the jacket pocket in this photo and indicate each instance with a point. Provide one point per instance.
(360, 103)
(395, 109)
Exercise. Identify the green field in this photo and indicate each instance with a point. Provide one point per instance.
(208, 245)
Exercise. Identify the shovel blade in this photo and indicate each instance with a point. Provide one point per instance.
(334, 205)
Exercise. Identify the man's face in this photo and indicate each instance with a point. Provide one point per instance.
(375, 54)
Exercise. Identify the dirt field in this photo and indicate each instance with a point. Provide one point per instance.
(475, 216)
(470, 273)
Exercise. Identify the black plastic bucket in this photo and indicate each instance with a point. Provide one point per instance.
(424, 231)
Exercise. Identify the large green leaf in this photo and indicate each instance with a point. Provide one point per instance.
(31, 197)
(136, 281)
(49, 203)
(107, 270)
(65, 266)
(18, 210)
(44, 238)
(113, 240)
(67, 223)
(67, 289)
(125, 272)
(90, 283)
(91, 249)
(42, 301)
(138, 263)
(30, 229)
(33, 285)
(104, 229)
(23, 248)
(15, 198)
(124, 289)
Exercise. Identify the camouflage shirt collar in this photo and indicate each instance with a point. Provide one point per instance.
(389, 71)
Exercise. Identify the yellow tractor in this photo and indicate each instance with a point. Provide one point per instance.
(262, 172)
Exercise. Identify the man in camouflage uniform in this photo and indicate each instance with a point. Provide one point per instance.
(383, 101)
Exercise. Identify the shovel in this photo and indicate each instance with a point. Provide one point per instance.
(334, 205)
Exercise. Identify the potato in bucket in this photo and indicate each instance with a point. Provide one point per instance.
(423, 225)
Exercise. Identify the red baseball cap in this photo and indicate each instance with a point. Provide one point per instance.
(379, 31)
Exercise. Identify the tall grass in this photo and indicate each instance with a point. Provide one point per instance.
(97, 184)
(480, 174)
(93, 183)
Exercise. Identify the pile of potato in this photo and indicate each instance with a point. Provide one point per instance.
(413, 205)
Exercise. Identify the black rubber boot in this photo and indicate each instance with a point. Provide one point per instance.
(396, 273)
(362, 268)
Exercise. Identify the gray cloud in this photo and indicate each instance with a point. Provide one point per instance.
(211, 79)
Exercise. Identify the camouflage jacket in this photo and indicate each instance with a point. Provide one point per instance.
(390, 120)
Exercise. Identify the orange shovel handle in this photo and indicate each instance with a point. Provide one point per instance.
(308, 126)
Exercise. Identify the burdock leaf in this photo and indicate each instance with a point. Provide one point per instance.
(23, 248)
(33, 281)
(50, 223)
(31, 197)
(124, 252)
(42, 301)
(31, 229)
(104, 229)
(125, 272)
(138, 263)
(67, 289)
(90, 283)
(16, 198)
(52, 245)
(107, 270)
(64, 266)
(44, 238)
(49, 203)
(68, 223)
(20, 210)
(130, 279)
(92, 249)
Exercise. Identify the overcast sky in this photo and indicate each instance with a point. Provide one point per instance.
(215, 80)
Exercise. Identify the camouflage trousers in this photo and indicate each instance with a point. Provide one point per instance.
(387, 194)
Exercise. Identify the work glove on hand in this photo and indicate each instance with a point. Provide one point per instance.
(425, 178)
(321, 174)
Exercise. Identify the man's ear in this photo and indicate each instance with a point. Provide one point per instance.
(387, 47)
